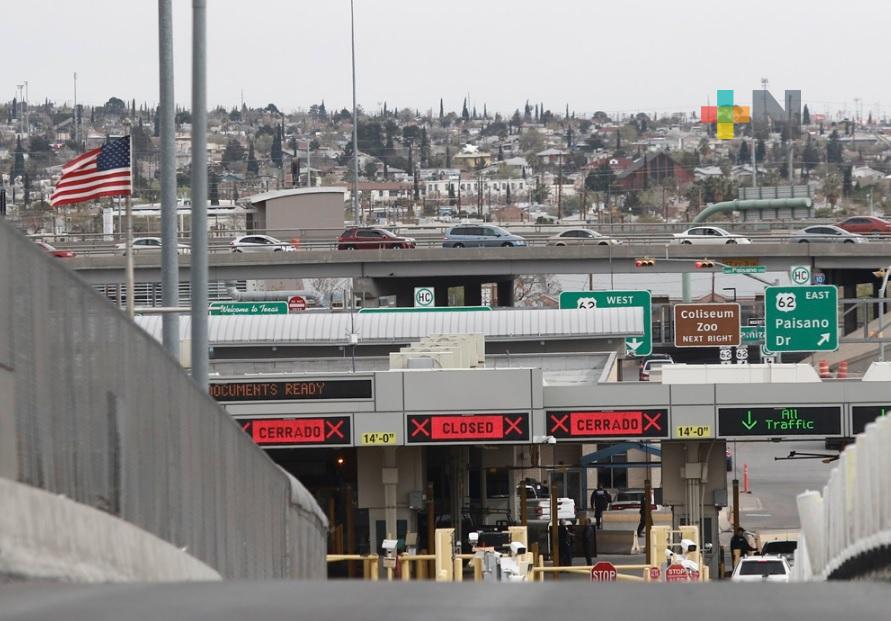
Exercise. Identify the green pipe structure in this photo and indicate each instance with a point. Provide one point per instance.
(748, 205)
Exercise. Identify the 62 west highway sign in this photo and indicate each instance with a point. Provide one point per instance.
(801, 318)
(634, 345)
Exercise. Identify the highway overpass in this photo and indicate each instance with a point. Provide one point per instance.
(500, 263)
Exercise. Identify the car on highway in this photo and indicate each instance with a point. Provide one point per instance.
(709, 235)
(761, 569)
(479, 236)
(581, 237)
(146, 245)
(259, 243)
(56, 252)
(651, 363)
(372, 238)
(867, 225)
(826, 233)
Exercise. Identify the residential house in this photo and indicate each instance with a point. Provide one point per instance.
(652, 169)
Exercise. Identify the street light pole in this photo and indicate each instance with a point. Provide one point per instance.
(355, 186)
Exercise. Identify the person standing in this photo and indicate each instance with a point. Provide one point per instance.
(589, 540)
(600, 500)
(739, 543)
(565, 545)
(643, 517)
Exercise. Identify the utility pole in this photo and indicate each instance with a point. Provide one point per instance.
(76, 119)
(355, 192)
(560, 187)
(167, 131)
(791, 162)
(27, 111)
(200, 349)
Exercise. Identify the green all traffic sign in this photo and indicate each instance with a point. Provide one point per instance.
(634, 345)
(801, 318)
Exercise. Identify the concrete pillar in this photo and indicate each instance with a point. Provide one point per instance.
(849, 290)
(506, 292)
(390, 479)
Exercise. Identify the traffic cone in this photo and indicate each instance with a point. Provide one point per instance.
(823, 369)
(842, 371)
(746, 489)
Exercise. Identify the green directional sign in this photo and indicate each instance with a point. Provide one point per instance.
(780, 421)
(745, 269)
(634, 345)
(248, 308)
(751, 335)
(801, 319)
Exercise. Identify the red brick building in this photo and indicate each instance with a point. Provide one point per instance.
(650, 170)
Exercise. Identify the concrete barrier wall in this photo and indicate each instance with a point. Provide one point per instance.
(847, 531)
(100, 413)
(71, 541)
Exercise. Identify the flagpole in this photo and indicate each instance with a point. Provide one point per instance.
(129, 241)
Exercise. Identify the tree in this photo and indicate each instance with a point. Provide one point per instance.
(233, 152)
(600, 179)
(834, 148)
(441, 109)
(425, 148)
(806, 116)
(832, 189)
(275, 152)
(500, 153)
(810, 157)
(507, 197)
(115, 106)
(213, 187)
(760, 150)
(540, 193)
(744, 154)
(847, 180)
(26, 182)
(465, 114)
(253, 166)
(18, 163)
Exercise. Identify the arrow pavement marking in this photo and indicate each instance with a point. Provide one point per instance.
(749, 423)
(633, 344)
(824, 338)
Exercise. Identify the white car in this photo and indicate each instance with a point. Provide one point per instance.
(259, 243)
(145, 245)
(709, 235)
(761, 569)
(576, 237)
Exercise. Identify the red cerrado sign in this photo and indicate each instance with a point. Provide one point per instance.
(281, 432)
(583, 425)
(432, 428)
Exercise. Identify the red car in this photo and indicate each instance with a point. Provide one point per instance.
(61, 254)
(356, 238)
(866, 225)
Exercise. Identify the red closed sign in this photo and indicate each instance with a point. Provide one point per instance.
(603, 572)
(296, 304)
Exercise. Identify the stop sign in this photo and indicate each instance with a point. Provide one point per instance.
(603, 572)
(676, 573)
(296, 304)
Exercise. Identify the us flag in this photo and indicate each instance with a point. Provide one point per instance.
(99, 172)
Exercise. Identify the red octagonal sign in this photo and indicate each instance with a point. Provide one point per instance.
(676, 573)
(603, 572)
(296, 304)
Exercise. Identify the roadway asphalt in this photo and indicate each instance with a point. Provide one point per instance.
(771, 505)
(266, 601)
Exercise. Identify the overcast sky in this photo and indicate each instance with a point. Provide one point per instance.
(626, 55)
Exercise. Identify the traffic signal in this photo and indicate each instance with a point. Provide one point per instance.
(645, 262)
(704, 264)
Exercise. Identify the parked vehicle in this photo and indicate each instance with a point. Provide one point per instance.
(578, 237)
(480, 235)
(372, 238)
(867, 225)
(761, 569)
(50, 249)
(709, 235)
(259, 243)
(651, 363)
(826, 233)
(781, 547)
(629, 500)
(146, 245)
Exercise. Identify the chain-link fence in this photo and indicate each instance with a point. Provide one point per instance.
(93, 408)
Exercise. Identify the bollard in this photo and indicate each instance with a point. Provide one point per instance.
(746, 489)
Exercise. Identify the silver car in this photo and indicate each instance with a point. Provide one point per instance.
(826, 233)
(480, 235)
(576, 237)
